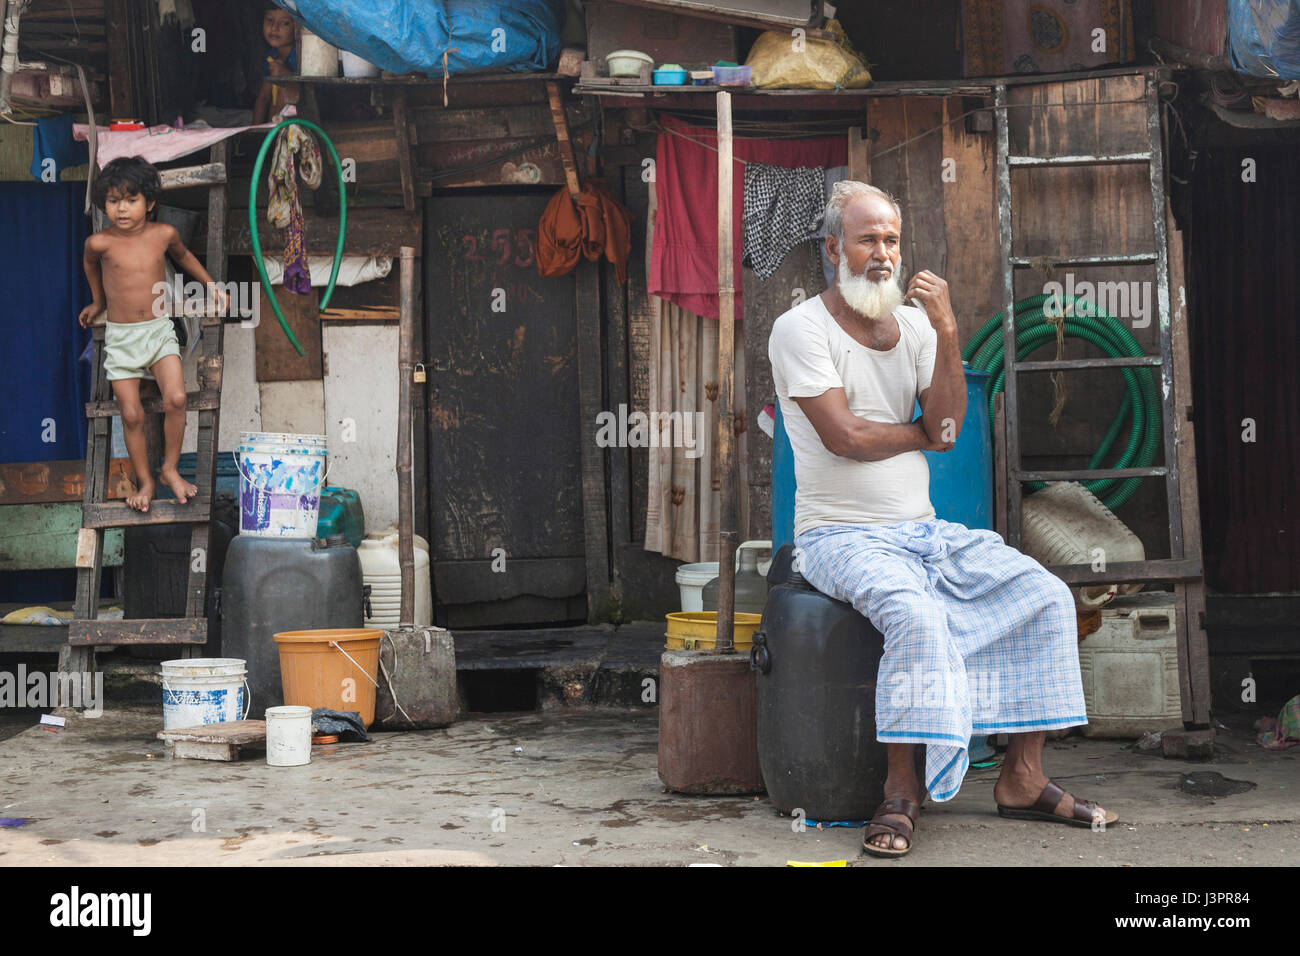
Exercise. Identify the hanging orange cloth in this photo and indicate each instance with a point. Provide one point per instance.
(596, 224)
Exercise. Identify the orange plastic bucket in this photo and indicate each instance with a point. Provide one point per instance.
(336, 668)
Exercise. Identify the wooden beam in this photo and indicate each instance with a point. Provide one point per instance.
(209, 174)
(169, 630)
(405, 162)
(562, 137)
(590, 404)
(371, 232)
(405, 371)
(728, 536)
(41, 482)
(117, 514)
(194, 402)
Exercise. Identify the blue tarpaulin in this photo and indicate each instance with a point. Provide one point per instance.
(1264, 37)
(411, 36)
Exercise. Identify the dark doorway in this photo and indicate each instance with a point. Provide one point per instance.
(1243, 287)
(505, 490)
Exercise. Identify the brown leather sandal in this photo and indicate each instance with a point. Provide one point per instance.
(1044, 809)
(907, 808)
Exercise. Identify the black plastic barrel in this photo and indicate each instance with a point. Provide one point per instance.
(817, 660)
(284, 584)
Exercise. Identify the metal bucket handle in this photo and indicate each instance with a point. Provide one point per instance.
(239, 463)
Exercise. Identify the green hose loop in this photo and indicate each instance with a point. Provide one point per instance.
(1141, 404)
(257, 240)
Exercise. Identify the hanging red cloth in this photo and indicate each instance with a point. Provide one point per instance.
(684, 254)
(593, 225)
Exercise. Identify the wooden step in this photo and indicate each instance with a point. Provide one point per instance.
(216, 741)
(117, 514)
(161, 630)
(1124, 572)
(209, 174)
(194, 402)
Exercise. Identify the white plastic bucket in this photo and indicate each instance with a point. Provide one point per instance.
(316, 57)
(280, 482)
(691, 579)
(354, 65)
(288, 736)
(203, 690)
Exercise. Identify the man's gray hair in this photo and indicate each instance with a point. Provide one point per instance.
(843, 193)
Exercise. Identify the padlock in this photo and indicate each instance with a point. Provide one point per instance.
(419, 375)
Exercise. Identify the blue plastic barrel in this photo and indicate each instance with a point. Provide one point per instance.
(961, 480)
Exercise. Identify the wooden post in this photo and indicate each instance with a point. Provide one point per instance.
(727, 517)
(405, 372)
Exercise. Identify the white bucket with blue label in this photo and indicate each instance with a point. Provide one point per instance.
(281, 477)
(203, 690)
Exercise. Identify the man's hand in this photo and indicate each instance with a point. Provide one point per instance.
(932, 292)
(89, 314)
(938, 445)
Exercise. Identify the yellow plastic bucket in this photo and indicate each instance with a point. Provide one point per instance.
(336, 668)
(698, 630)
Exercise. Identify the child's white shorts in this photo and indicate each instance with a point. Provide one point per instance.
(132, 348)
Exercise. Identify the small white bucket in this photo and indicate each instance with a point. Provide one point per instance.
(316, 57)
(691, 579)
(354, 65)
(280, 480)
(203, 690)
(288, 736)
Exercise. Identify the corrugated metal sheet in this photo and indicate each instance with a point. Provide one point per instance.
(1245, 315)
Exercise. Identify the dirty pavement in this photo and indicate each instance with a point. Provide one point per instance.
(578, 786)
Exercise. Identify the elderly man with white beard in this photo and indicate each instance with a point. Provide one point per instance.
(979, 638)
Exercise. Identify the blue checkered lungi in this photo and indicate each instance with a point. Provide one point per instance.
(979, 638)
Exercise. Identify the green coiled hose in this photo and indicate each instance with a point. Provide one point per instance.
(1141, 405)
(257, 240)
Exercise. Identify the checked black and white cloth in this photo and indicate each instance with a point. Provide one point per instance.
(783, 207)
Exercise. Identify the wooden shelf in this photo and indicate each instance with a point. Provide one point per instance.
(415, 79)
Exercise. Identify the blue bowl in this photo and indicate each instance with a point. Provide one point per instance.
(669, 77)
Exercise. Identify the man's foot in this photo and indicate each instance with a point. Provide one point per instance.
(143, 495)
(901, 809)
(181, 488)
(1035, 797)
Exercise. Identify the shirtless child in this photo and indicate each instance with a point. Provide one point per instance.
(125, 267)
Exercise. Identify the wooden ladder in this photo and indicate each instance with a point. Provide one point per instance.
(190, 633)
(1183, 567)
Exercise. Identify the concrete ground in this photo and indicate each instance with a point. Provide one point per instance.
(578, 786)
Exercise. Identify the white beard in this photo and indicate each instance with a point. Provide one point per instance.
(874, 300)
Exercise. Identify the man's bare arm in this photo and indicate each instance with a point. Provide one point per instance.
(943, 404)
(849, 436)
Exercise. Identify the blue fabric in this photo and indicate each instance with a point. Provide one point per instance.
(43, 288)
(979, 638)
(405, 36)
(54, 141)
(1264, 37)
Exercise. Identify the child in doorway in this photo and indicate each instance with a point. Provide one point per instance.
(126, 270)
(280, 59)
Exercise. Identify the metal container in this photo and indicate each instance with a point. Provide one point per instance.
(816, 660)
(707, 721)
(284, 584)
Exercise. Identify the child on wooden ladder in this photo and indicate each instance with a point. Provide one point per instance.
(126, 269)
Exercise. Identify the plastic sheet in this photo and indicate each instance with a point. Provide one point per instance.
(405, 36)
(1264, 37)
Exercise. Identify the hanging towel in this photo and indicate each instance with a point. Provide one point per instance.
(684, 259)
(595, 225)
(283, 210)
(783, 207)
(54, 141)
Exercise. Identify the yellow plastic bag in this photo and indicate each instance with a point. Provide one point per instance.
(795, 61)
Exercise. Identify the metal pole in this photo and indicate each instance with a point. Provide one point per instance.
(727, 518)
